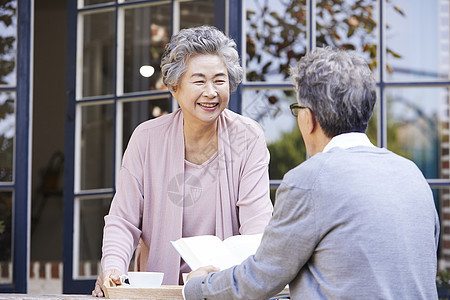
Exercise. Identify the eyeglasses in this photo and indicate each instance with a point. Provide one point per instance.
(295, 108)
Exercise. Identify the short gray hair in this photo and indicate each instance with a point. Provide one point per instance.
(199, 40)
(338, 87)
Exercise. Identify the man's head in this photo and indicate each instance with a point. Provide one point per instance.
(337, 87)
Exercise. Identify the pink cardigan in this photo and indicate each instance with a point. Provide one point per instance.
(148, 199)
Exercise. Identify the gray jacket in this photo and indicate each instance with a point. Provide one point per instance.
(358, 223)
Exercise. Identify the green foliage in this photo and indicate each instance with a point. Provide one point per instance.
(5, 226)
(6, 108)
(7, 11)
(282, 33)
(277, 38)
(443, 278)
(286, 153)
(392, 133)
(443, 284)
(6, 140)
(7, 65)
(7, 43)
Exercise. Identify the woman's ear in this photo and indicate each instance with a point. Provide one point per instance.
(173, 91)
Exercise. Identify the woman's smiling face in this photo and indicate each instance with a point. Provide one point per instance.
(203, 91)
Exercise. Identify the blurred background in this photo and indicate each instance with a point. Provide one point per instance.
(76, 77)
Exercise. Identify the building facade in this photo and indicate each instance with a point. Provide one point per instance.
(110, 64)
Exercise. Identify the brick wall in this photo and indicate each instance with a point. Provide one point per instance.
(444, 135)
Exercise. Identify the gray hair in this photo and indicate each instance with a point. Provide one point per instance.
(199, 40)
(338, 87)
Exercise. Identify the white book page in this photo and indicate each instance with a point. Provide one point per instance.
(200, 251)
(242, 246)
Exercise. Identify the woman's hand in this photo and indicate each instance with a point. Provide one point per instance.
(114, 274)
(202, 271)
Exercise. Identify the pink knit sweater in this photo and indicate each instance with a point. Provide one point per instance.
(150, 192)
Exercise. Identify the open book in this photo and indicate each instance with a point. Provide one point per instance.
(203, 250)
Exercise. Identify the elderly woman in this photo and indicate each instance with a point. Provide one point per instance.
(199, 170)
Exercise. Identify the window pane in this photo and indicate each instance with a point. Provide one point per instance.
(348, 24)
(417, 40)
(8, 35)
(97, 146)
(91, 223)
(270, 108)
(147, 31)
(137, 112)
(418, 128)
(6, 209)
(7, 132)
(196, 13)
(276, 38)
(98, 54)
(93, 2)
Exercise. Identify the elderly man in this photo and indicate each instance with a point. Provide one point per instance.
(352, 222)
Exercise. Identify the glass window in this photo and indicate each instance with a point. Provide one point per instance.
(6, 219)
(98, 54)
(417, 40)
(147, 31)
(94, 2)
(137, 112)
(275, 34)
(8, 35)
(196, 13)
(97, 146)
(7, 132)
(418, 128)
(270, 108)
(91, 213)
(348, 24)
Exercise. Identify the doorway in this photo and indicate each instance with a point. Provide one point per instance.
(49, 100)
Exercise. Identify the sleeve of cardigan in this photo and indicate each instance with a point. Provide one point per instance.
(122, 225)
(284, 250)
(255, 207)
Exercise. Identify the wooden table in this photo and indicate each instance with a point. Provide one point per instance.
(162, 293)
(165, 292)
(46, 297)
(112, 291)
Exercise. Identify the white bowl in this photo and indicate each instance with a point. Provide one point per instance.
(145, 279)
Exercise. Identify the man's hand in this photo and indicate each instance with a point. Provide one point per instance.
(202, 271)
(114, 274)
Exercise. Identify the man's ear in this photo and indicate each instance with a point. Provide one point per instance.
(311, 121)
